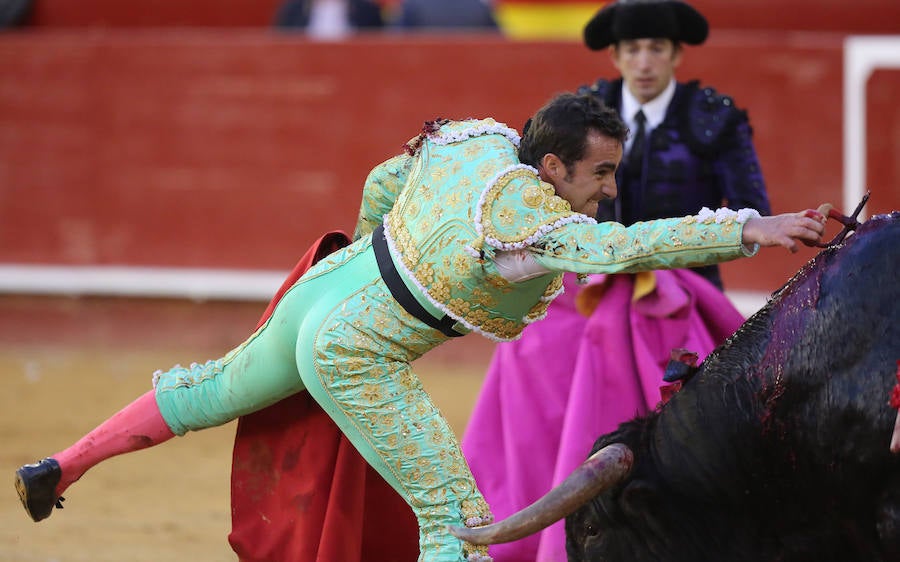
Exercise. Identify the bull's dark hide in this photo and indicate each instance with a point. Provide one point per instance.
(777, 449)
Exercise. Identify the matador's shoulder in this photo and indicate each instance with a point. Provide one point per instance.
(516, 209)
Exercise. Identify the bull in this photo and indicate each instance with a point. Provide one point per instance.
(775, 449)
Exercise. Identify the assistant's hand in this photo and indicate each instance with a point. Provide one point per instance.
(785, 229)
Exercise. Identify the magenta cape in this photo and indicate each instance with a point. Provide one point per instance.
(571, 378)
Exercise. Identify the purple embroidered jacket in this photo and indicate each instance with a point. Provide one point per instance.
(701, 155)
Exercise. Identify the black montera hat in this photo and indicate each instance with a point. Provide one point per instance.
(637, 19)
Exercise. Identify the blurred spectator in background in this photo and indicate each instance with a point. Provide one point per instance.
(443, 14)
(599, 356)
(14, 13)
(329, 19)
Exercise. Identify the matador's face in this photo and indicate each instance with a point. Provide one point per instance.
(593, 178)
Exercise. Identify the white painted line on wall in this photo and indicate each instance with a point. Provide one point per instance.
(862, 55)
(747, 302)
(127, 281)
(186, 283)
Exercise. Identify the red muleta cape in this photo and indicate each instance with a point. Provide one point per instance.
(300, 490)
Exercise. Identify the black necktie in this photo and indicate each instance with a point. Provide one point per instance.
(636, 156)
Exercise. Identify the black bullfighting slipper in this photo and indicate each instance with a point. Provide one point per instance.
(36, 484)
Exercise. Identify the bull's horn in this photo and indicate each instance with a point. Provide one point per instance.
(600, 471)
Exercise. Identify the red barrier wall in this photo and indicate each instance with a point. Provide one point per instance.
(153, 13)
(858, 16)
(236, 149)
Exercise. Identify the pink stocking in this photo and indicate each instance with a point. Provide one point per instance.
(137, 426)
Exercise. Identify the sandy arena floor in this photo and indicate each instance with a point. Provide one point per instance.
(67, 364)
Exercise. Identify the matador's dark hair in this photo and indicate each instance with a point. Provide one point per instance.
(562, 125)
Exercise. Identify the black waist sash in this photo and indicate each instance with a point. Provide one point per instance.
(401, 292)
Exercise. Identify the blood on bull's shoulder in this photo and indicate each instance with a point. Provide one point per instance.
(777, 448)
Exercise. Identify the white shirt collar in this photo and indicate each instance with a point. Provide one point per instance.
(654, 110)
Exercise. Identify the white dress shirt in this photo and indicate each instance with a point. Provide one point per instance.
(654, 111)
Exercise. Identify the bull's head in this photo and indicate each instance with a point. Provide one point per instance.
(777, 449)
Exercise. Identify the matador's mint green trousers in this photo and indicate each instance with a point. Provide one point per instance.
(341, 336)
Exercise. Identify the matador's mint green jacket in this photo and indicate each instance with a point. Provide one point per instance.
(462, 195)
